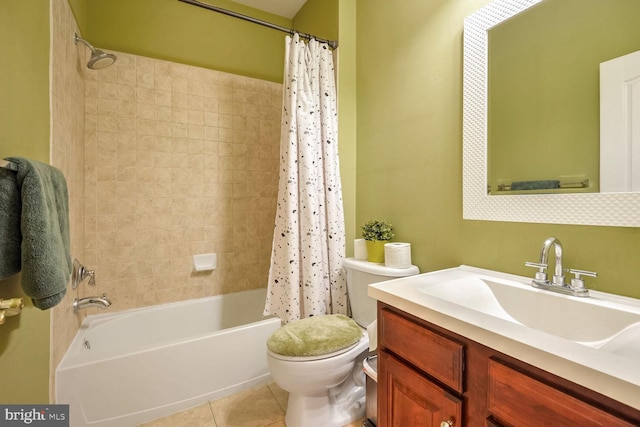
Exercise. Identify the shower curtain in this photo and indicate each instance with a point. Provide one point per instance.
(306, 276)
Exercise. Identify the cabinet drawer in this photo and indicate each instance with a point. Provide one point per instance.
(510, 389)
(437, 356)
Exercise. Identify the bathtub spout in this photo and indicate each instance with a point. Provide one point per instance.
(100, 302)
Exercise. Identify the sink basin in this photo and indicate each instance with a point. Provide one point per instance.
(599, 334)
(570, 318)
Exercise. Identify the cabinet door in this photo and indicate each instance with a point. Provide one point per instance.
(406, 398)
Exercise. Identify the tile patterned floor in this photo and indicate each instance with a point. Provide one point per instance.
(262, 406)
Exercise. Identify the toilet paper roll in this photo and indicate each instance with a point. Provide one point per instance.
(397, 255)
(360, 249)
(372, 331)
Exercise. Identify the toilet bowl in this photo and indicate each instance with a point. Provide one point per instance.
(323, 391)
(328, 390)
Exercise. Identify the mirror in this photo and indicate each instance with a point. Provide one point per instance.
(610, 209)
(543, 99)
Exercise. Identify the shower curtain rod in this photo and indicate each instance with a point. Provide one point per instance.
(332, 43)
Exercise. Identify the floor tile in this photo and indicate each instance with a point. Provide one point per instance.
(200, 416)
(262, 406)
(256, 407)
(281, 395)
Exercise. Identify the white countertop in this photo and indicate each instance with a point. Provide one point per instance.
(612, 375)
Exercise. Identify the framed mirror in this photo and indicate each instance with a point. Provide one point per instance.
(609, 209)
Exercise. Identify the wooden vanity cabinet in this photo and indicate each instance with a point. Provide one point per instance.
(429, 376)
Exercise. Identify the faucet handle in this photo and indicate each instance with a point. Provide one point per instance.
(92, 277)
(541, 276)
(578, 282)
(80, 272)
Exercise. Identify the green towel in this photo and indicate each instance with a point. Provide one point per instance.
(44, 222)
(10, 236)
(535, 185)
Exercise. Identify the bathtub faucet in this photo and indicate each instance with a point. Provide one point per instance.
(100, 302)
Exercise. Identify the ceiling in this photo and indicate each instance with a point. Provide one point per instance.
(286, 8)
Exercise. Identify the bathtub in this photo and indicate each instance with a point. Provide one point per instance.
(129, 367)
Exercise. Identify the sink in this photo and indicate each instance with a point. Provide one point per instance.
(570, 318)
(586, 340)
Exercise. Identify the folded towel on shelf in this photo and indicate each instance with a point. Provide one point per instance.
(10, 235)
(535, 185)
(44, 223)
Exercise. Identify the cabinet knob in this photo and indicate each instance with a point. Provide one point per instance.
(447, 423)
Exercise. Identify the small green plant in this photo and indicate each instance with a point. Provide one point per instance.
(377, 230)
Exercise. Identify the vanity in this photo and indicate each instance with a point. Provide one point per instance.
(473, 347)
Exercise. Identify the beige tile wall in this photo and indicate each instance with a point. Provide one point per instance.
(179, 160)
(67, 154)
(162, 161)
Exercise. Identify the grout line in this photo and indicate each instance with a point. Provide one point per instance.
(276, 398)
(213, 416)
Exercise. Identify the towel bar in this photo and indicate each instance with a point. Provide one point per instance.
(12, 303)
(561, 183)
(10, 307)
(8, 165)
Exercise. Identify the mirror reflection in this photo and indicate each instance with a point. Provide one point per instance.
(544, 93)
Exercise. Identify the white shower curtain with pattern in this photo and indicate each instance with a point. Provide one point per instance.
(306, 277)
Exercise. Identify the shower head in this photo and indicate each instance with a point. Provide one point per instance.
(99, 59)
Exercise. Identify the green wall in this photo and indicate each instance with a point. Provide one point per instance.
(409, 153)
(320, 18)
(180, 32)
(24, 131)
(347, 129)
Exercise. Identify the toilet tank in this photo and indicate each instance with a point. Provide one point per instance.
(360, 274)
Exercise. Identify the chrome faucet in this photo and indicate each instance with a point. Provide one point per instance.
(80, 273)
(558, 276)
(101, 302)
(557, 284)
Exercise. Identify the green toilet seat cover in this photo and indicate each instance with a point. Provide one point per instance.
(315, 336)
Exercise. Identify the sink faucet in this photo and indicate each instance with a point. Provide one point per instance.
(558, 276)
(101, 302)
(557, 284)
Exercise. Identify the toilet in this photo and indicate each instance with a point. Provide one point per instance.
(325, 380)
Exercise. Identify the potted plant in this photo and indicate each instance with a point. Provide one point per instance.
(376, 233)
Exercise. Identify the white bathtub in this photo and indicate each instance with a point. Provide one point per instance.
(133, 366)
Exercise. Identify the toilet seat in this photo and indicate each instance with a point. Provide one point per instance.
(314, 338)
(311, 358)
